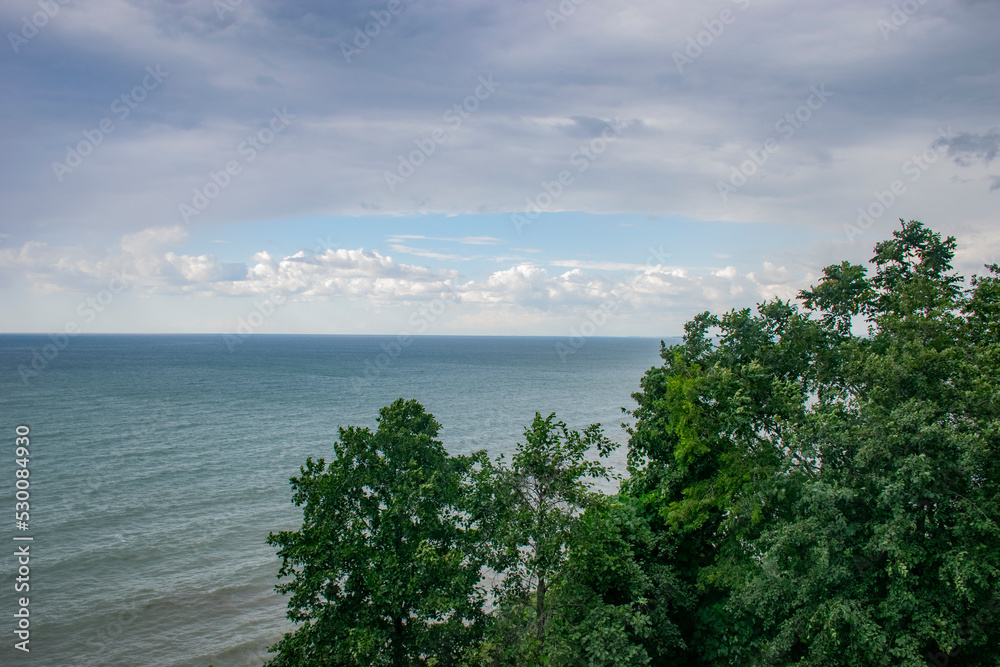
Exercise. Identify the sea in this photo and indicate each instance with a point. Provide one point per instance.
(158, 464)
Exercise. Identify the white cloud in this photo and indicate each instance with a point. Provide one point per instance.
(342, 272)
(773, 275)
(465, 240)
(535, 297)
(375, 278)
(598, 266)
(205, 268)
(150, 240)
(420, 252)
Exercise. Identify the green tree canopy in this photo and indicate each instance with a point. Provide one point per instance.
(529, 510)
(811, 483)
(382, 568)
(838, 493)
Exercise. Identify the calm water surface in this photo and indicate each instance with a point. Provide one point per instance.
(160, 463)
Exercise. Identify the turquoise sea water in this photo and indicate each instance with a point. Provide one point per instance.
(160, 463)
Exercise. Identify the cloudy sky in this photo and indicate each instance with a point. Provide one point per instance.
(516, 167)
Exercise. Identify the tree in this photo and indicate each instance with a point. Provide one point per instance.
(891, 552)
(382, 572)
(531, 507)
(619, 592)
(706, 444)
(837, 494)
(799, 493)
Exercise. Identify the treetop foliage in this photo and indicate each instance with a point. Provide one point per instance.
(811, 483)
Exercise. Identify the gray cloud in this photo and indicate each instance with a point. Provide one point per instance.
(967, 148)
(685, 130)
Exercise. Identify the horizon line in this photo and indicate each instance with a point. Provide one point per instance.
(388, 335)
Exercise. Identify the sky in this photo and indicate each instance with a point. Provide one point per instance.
(561, 168)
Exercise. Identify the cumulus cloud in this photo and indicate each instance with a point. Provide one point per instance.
(150, 240)
(771, 274)
(205, 268)
(55, 269)
(154, 265)
(344, 273)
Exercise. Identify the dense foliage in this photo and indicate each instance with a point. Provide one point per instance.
(382, 571)
(812, 484)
